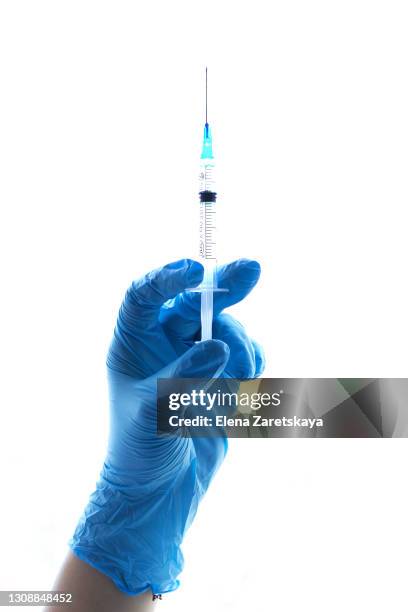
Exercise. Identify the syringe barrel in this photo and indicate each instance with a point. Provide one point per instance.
(208, 196)
(207, 175)
(207, 228)
(208, 258)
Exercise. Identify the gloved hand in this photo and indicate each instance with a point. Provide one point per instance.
(150, 485)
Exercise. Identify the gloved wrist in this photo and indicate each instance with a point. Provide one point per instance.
(112, 536)
(135, 539)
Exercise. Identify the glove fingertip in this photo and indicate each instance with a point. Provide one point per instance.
(195, 273)
(217, 349)
(250, 268)
(240, 277)
(204, 360)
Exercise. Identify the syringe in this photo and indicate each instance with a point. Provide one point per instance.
(207, 229)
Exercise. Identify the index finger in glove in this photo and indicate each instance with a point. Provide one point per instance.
(144, 298)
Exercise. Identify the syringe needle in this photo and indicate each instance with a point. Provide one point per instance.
(206, 89)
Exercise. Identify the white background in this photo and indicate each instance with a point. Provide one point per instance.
(101, 113)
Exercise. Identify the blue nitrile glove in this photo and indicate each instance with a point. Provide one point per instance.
(150, 485)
